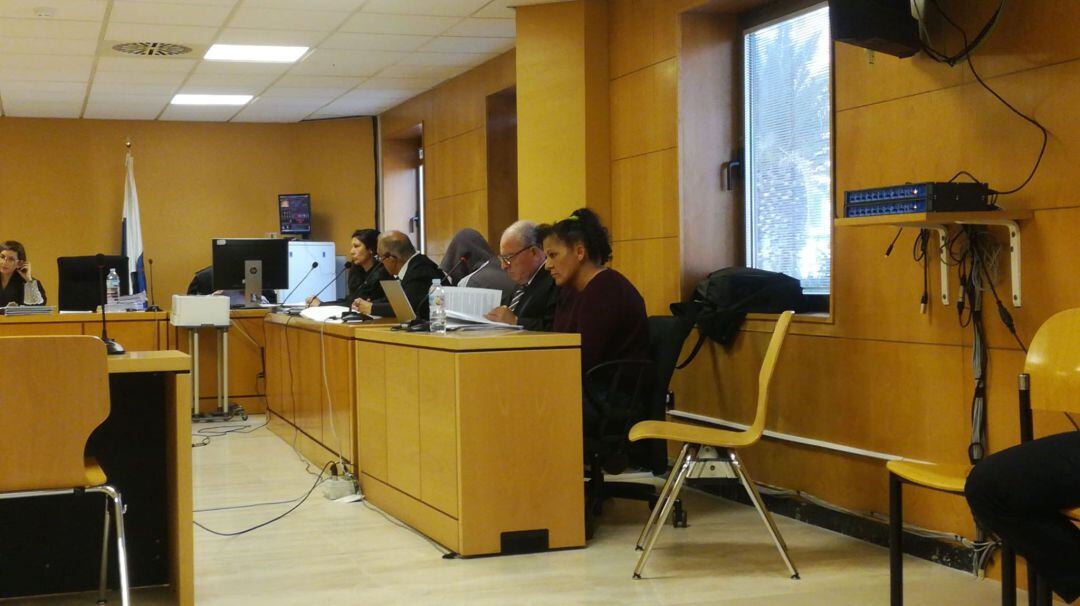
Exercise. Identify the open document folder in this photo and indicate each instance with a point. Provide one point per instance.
(465, 308)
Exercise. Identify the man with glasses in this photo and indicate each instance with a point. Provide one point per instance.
(399, 257)
(532, 304)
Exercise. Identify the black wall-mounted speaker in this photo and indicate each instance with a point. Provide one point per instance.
(882, 25)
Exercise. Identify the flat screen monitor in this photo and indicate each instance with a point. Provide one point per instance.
(80, 287)
(295, 213)
(229, 255)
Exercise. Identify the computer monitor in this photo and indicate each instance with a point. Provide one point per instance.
(294, 210)
(80, 287)
(251, 264)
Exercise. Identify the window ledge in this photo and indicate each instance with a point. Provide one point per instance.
(813, 318)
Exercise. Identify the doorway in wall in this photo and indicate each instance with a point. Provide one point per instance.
(502, 183)
(403, 183)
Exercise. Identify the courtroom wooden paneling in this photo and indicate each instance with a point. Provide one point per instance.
(457, 443)
(506, 417)
(196, 181)
(502, 179)
(371, 431)
(645, 196)
(643, 110)
(437, 414)
(651, 266)
(455, 150)
(403, 420)
(878, 374)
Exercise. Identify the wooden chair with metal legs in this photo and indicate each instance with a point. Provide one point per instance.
(694, 437)
(1050, 382)
(56, 392)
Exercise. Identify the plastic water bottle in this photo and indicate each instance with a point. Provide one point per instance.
(112, 287)
(437, 306)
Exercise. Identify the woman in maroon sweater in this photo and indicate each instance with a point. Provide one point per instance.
(597, 301)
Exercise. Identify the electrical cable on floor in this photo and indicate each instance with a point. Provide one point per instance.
(318, 480)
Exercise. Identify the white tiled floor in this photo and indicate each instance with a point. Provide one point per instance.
(334, 553)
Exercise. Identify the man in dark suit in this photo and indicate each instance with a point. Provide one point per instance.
(532, 304)
(399, 257)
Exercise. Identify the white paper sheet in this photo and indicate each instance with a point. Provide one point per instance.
(474, 302)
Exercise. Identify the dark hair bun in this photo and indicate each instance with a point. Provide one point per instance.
(583, 227)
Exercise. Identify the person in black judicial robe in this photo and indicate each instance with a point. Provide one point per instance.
(415, 271)
(532, 303)
(17, 285)
(366, 271)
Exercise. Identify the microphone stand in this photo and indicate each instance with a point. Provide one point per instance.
(281, 304)
(348, 264)
(153, 305)
(112, 348)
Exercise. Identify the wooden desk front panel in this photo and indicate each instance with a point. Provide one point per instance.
(403, 419)
(519, 421)
(295, 389)
(136, 332)
(482, 438)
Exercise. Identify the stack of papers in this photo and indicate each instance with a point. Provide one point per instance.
(465, 308)
(27, 310)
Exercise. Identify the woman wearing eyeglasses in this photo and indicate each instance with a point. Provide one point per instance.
(602, 305)
(17, 285)
(366, 270)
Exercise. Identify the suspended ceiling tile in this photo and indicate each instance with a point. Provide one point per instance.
(486, 28)
(368, 23)
(498, 9)
(272, 18)
(458, 44)
(61, 89)
(133, 88)
(126, 11)
(145, 64)
(440, 72)
(269, 37)
(252, 83)
(277, 110)
(296, 81)
(42, 109)
(56, 68)
(173, 79)
(48, 46)
(315, 5)
(200, 113)
(145, 32)
(38, 28)
(445, 59)
(74, 10)
(345, 63)
(112, 109)
(446, 8)
(241, 68)
(286, 92)
(362, 42)
(414, 85)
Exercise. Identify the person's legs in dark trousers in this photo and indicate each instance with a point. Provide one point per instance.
(1017, 493)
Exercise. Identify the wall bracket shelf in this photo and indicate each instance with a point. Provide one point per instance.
(940, 222)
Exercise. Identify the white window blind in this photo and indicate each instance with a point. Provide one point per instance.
(788, 140)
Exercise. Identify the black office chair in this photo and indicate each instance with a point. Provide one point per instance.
(621, 393)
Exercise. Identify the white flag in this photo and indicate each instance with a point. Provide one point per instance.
(131, 244)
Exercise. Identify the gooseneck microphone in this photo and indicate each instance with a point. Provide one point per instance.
(314, 264)
(347, 265)
(111, 347)
(150, 274)
(462, 260)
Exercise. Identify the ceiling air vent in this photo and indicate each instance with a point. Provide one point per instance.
(151, 49)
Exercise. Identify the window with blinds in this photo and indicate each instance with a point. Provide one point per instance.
(788, 147)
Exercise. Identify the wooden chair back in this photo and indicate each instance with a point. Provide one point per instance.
(765, 375)
(54, 390)
(1053, 362)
